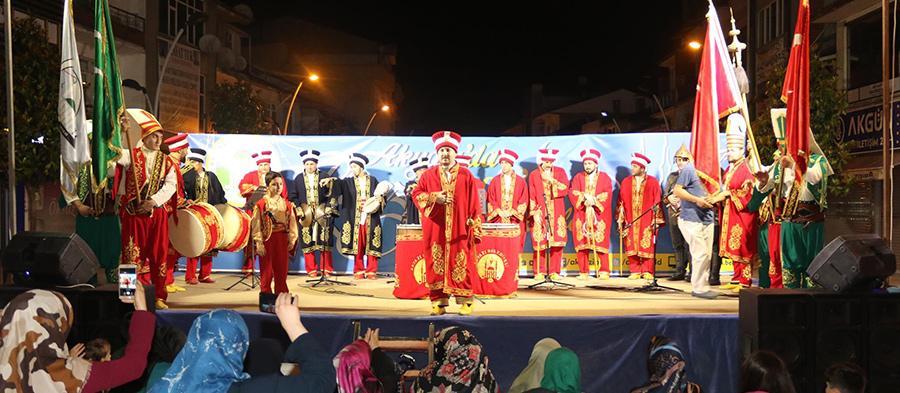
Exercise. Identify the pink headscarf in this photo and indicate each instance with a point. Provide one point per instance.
(354, 369)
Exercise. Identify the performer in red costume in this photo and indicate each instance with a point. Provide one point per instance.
(253, 188)
(150, 181)
(638, 193)
(507, 195)
(274, 231)
(591, 197)
(178, 147)
(547, 190)
(447, 197)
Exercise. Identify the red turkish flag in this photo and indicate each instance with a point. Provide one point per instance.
(718, 95)
(795, 92)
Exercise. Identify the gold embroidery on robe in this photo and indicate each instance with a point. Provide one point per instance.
(771, 268)
(578, 230)
(307, 237)
(645, 239)
(734, 238)
(600, 234)
(437, 259)
(561, 226)
(459, 267)
(345, 233)
(376, 236)
(747, 273)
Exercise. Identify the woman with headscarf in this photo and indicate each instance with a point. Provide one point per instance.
(212, 359)
(459, 366)
(530, 377)
(667, 368)
(34, 357)
(562, 373)
(362, 367)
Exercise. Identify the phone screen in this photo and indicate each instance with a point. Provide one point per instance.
(127, 281)
(267, 302)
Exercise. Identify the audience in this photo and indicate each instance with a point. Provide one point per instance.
(34, 356)
(459, 365)
(765, 372)
(562, 373)
(362, 367)
(530, 378)
(167, 343)
(845, 378)
(212, 359)
(263, 357)
(667, 367)
(97, 350)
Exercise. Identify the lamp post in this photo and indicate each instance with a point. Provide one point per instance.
(384, 108)
(135, 85)
(608, 116)
(287, 120)
(195, 18)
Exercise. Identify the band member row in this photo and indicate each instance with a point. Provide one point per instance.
(447, 197)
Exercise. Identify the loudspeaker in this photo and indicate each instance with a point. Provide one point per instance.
(853, 262)
(42, 259)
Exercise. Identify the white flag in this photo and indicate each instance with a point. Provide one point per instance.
(74, 144)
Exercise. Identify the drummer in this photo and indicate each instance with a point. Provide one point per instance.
(178, 147)
(310, 191)
(201, 186)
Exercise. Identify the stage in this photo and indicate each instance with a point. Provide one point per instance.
(609, 329)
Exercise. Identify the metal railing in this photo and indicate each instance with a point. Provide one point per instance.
(126, 18)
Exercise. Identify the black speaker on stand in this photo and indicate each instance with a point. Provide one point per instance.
(43, 259)
(853, 262)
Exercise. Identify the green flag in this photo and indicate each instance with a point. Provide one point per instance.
(109, 106)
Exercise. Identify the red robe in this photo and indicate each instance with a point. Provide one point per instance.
(513, 200)
(252, 180)
(449, 231)
(633, 201)
(740, 226)
(538, 192)
(599, 223)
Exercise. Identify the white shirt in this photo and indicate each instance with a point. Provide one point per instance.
(171, 181)
(812, 177)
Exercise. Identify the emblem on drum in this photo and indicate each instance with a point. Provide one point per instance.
(491, 264)
(419, 269)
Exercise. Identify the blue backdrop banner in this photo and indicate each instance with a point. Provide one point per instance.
(229, 156)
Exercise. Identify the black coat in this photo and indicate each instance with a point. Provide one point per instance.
(215, 195)
(302, 194)
(317, 372)
(350, 218)
(411, 214)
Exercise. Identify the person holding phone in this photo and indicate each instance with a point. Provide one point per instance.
(212, 359)
(274, 231)
(36, 324)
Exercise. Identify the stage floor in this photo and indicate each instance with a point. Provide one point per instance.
(375, 298)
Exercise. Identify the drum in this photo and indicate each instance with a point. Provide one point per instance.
(197, 229)
(410, 263)
(496, 264)
(236, 223)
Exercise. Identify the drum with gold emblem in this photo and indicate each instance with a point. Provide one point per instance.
(496, 260)
(195, 230)
(409, 263)
(236, 231)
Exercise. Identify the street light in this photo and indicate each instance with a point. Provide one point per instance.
(287, 120)
(135, 85)
(695, 45)
(607, 115)
(194, 19)
(384, 108)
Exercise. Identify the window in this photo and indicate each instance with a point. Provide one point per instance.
(770, 21)
(173, 16)
(864, 50)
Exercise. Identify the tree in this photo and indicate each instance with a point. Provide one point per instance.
(237, 109)
(36, 81)
(828, 102)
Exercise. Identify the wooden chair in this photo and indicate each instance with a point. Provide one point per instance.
(403, 344)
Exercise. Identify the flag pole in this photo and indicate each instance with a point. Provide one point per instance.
(887, 129)
(10, 108)
(737, 48)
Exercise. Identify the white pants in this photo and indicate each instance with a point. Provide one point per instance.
(699, 238)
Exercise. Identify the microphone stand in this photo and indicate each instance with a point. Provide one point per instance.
(322, 280)
(653, 285)
(549, 282)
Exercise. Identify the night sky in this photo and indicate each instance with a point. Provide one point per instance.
(465, 67)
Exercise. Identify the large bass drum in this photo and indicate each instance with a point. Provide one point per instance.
(197, 229)
(237, 228)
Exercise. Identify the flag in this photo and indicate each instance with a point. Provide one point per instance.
(109, 106)
(795, 92)
(75, 149)
(718, 95)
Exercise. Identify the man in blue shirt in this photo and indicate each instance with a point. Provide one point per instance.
(696, 222)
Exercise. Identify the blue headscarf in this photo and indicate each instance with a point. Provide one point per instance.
(212, 358)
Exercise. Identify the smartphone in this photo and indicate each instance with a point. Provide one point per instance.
(127, 282)
(267, 302)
